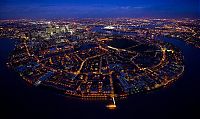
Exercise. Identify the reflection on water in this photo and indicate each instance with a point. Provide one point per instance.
(183, 95)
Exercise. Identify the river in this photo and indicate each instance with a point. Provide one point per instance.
(18, 99)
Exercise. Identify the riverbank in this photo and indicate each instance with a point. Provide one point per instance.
(182, 98)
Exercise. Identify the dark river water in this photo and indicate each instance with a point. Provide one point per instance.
(20, 100)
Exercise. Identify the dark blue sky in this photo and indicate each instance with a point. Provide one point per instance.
(12, 9)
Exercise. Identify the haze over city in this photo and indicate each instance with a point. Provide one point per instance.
(37, 9)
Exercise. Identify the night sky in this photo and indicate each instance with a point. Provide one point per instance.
(37, 9)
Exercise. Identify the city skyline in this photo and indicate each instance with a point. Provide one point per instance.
(12, 9)
(99, 59)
